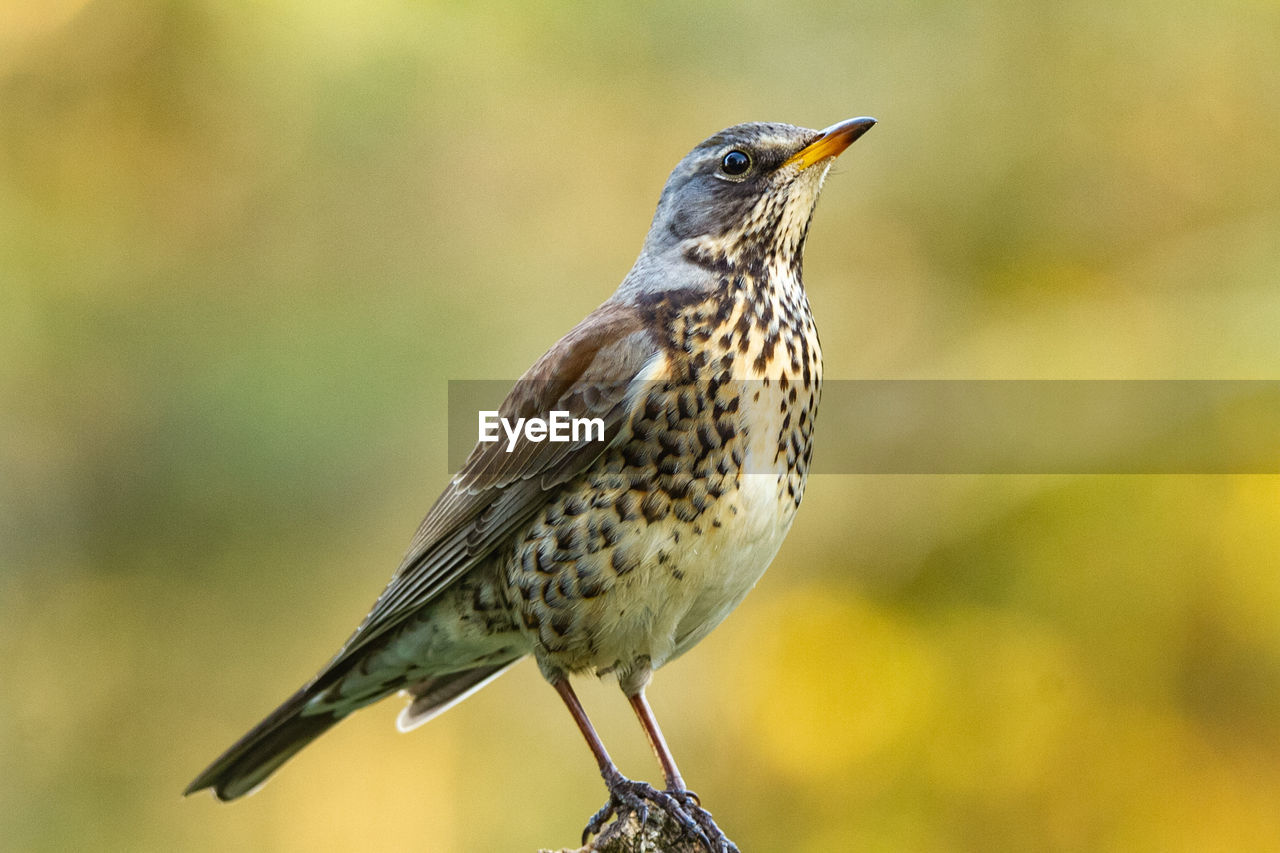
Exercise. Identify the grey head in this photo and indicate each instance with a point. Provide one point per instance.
(742, 198)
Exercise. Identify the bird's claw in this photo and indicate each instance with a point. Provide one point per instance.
(627, 796)
(691, 805)
(621, 801)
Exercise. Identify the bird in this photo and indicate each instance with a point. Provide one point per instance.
(616, 551)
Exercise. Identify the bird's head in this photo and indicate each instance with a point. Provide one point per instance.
(743, 196)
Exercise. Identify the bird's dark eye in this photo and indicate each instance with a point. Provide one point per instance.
(735, 163)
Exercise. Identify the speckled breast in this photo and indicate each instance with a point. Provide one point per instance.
(639, 557)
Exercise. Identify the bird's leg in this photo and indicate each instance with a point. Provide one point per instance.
(607, 767)
(644, 714)
(688, 800)
(625, 795)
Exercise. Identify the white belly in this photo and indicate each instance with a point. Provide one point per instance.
(692, 580)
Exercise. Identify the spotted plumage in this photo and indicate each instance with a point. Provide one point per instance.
(615, 555)
(733, 401)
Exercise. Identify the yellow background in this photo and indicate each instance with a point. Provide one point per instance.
(243, 247)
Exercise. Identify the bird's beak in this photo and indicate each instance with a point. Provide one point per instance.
(830, 142)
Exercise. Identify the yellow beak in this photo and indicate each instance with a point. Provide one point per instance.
(830, 142)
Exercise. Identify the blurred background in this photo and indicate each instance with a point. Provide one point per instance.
(243, 248)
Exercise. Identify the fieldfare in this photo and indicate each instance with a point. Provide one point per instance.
(614, 553)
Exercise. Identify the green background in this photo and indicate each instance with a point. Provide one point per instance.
(243, 247)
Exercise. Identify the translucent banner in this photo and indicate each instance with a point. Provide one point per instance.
(969, 426)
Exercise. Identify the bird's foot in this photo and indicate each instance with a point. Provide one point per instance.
(627, 796)
(691, 805)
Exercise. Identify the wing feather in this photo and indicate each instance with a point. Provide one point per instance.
(591, 372)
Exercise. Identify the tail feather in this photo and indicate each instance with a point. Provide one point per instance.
(300, 720)
(433, 697)
(250, 760)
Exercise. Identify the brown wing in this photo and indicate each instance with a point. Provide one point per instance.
(589, 373)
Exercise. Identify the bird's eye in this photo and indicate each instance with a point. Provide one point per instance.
(735, 163)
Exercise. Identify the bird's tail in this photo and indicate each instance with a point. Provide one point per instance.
(300, 720)
(271, 743)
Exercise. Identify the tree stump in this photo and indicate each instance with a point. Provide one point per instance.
(659, 834)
